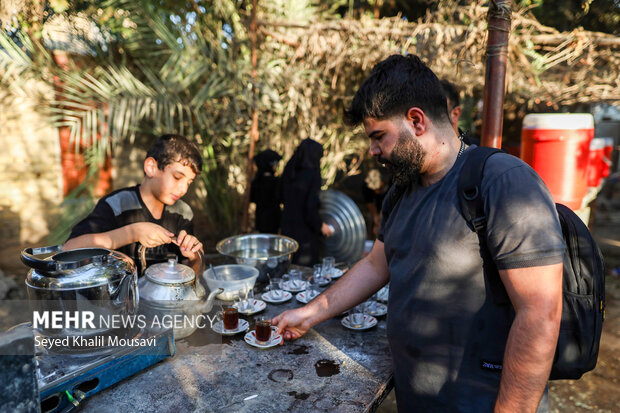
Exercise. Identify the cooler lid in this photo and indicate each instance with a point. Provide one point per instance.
(568, 121)
(598, 143)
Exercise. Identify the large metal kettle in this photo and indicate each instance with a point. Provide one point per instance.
(93, 279)
(171, 288)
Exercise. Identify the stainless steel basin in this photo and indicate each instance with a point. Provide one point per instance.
(269, 253)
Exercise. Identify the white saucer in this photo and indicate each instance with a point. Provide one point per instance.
(369, 322)
(257, 306)
(325, 282)
(287, 286)
(335, 273)
(243, 326)
(375, 308)
(384, 293)
(285, 297)
(250, 338)
(302, 297)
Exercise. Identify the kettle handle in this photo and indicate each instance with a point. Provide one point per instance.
(29, 255)
(202, 268)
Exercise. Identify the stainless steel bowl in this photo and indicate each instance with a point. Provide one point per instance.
(270, 254)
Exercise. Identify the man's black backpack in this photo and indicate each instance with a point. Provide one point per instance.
(583, 303)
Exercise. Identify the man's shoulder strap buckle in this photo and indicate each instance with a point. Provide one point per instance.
(479, 224)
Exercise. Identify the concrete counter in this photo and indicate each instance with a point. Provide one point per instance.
(329, 369)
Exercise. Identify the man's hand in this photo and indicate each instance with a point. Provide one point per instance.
(293, 324)
(189, 245)
(151, 235)
(326, 230)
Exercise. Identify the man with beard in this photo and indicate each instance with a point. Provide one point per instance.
(455, 349)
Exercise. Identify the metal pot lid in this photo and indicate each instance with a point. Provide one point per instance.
(170, 272)
(339, 211)
(75, 269)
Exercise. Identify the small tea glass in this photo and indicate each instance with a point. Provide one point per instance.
(285, 282)
(370, 306)
(320, 275)
(357, 316)
(295, 279)
(313, 288)
(275, 289)
(263, 330)
(229, 317)
(245, 300)
(329, 263)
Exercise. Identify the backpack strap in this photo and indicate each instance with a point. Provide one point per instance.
(472, 207)
(470, 188)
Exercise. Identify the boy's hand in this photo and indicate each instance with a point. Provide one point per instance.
(151, 235)
(189, 245)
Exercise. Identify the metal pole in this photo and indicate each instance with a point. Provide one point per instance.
(254, 127)
(498, 18)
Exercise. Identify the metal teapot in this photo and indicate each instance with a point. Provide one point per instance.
(171, 288)
(93, 279)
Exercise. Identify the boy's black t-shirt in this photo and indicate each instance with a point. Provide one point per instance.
(125, 206)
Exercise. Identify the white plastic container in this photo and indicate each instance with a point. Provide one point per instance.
(235, 279)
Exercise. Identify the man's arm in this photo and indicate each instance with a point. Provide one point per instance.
(536, 294)
(147, 233)
(365, 278)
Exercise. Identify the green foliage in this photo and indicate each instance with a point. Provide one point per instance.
(184, 67)
(163, 66)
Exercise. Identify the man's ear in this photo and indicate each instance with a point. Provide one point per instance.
(419, 121)
(455, 114)
(150, 167)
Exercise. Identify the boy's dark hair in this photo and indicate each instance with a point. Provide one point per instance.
(175, 148)
(450, 92)
(395, 85)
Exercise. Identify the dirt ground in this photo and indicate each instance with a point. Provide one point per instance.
(596, 391)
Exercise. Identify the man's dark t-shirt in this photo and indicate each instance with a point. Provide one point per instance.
(124, 207)
(446, 336)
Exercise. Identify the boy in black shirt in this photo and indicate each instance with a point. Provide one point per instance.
(150, 214)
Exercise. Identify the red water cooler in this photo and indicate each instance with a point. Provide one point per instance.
(599, 161)
(557, 146)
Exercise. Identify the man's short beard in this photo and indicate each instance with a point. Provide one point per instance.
(407, 159)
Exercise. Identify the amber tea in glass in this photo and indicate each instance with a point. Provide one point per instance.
(230, 317)
(263, 331)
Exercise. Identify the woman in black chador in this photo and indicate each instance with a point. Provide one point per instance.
(301, 182)
(265, 192)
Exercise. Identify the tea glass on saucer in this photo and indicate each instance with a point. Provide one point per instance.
(374, 308)
(263, 330)
(313, 288)
(245, 303)
(328, 265)
(275, 289)
(356, 316)
(230, 318)
(295, 278)
(320, 275)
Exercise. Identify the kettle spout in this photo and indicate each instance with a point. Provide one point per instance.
(208, 304)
